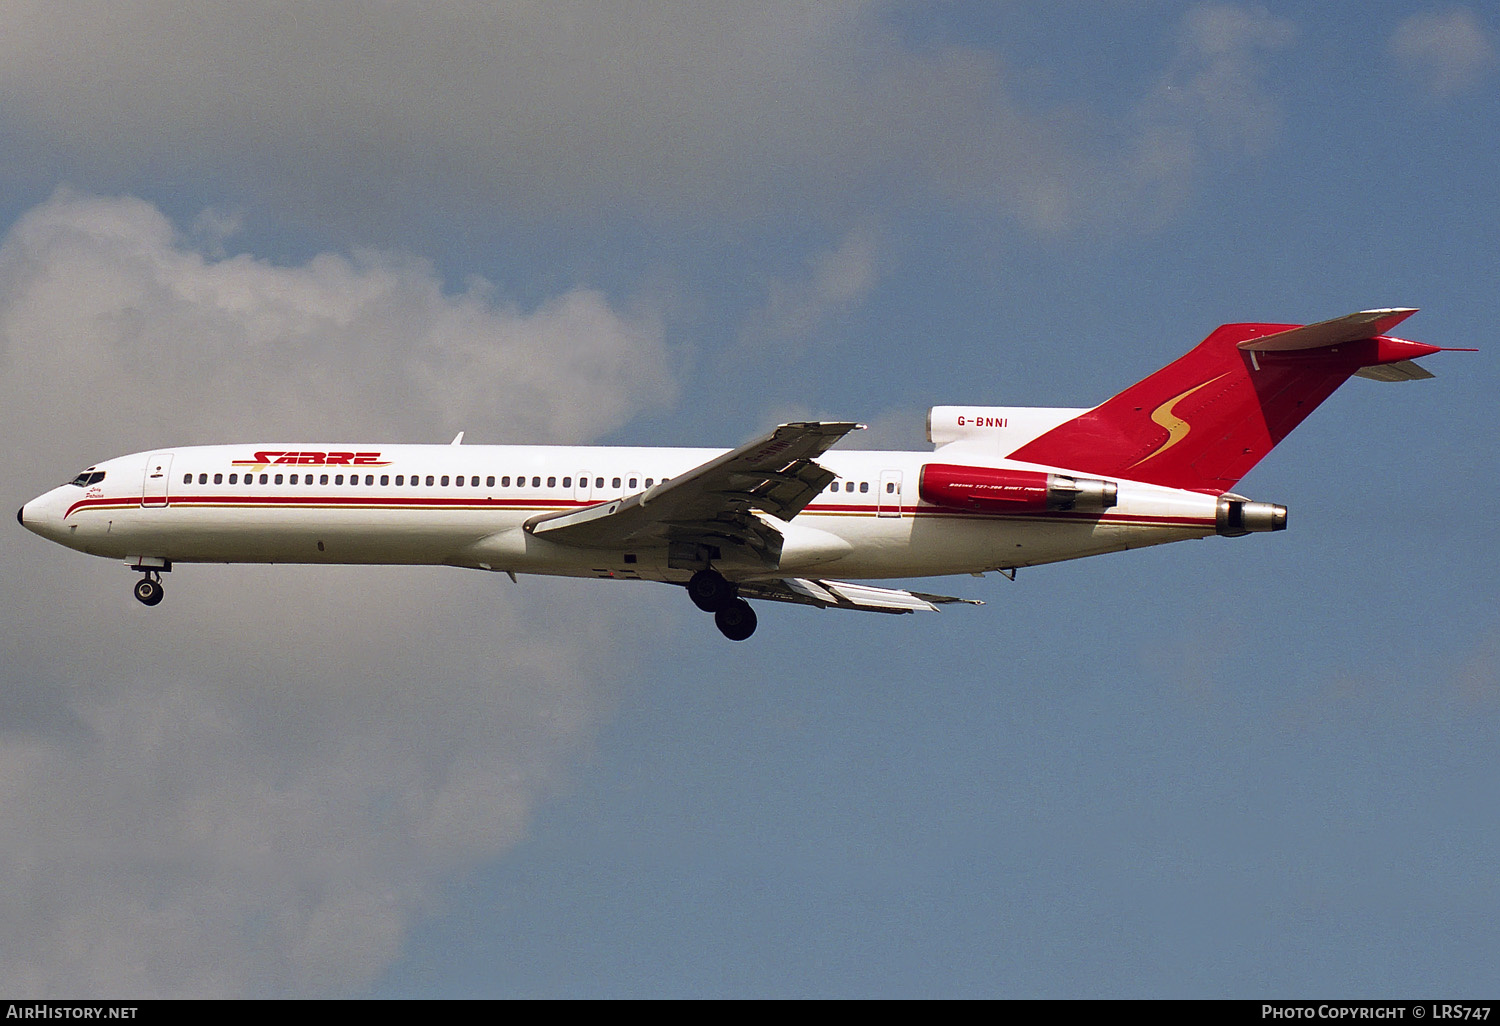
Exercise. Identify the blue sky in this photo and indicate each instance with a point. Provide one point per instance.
(1237, 767)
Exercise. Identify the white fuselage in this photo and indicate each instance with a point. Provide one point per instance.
(464, 505)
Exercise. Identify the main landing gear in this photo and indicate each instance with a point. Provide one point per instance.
(148, 589)
(711, 593)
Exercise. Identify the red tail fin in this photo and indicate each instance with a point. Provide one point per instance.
(1203, 421)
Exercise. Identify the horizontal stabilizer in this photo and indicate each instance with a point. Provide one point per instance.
(1403, 370)
(842, 595)
(1355, 327)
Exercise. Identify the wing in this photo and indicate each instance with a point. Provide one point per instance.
(709, 512)
(841, 595)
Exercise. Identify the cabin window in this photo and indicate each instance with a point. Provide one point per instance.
(292, 479)
(615, 483)
(864, 486)
(567, 482)
(187, 478)
(385, 479)
(263, 478)
(536, 482)
(218, 479)
(400, 479)
(890, 488)
(633, 480)
(648, 482)
(445, 480)
(234, 479)
(278, 479)
(489, 482)
(505, 481)
(322, 479)
(551, 482)
(598, 482)
(338, 479)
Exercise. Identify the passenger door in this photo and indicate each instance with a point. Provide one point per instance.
(888, 501)
(157, 475)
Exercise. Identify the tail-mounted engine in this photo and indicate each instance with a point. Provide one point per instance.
(1237, 516)
(993, 490)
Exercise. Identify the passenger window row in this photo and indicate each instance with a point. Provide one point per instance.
(385, 479)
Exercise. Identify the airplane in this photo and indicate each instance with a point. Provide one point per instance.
(776, 519)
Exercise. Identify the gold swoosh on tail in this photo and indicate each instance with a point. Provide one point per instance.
(1177, 428)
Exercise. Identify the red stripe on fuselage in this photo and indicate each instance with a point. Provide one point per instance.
(412, 503)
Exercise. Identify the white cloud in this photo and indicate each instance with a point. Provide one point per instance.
(1213, 98)
(1450, 52)
(96, 293)
(362, 112)
(256, 787)
(836, 281)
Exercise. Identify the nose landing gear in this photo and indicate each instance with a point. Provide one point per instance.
(711, 593)
(148, 589)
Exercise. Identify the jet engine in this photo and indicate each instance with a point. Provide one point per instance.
(1238, 516)
(993, 490)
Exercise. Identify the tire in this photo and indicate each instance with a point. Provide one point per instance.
(709, 591)
(736, 621)
(149, 592)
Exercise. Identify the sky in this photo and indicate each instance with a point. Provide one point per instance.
(1229, 768)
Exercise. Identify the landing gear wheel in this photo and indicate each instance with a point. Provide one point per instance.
(709, 591)
(149, 591)
(736, 621)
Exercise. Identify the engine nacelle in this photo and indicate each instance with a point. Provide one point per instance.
(1002, 427)
(993, 490)
(1236, 516)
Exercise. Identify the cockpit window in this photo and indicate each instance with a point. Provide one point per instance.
(88, 477)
